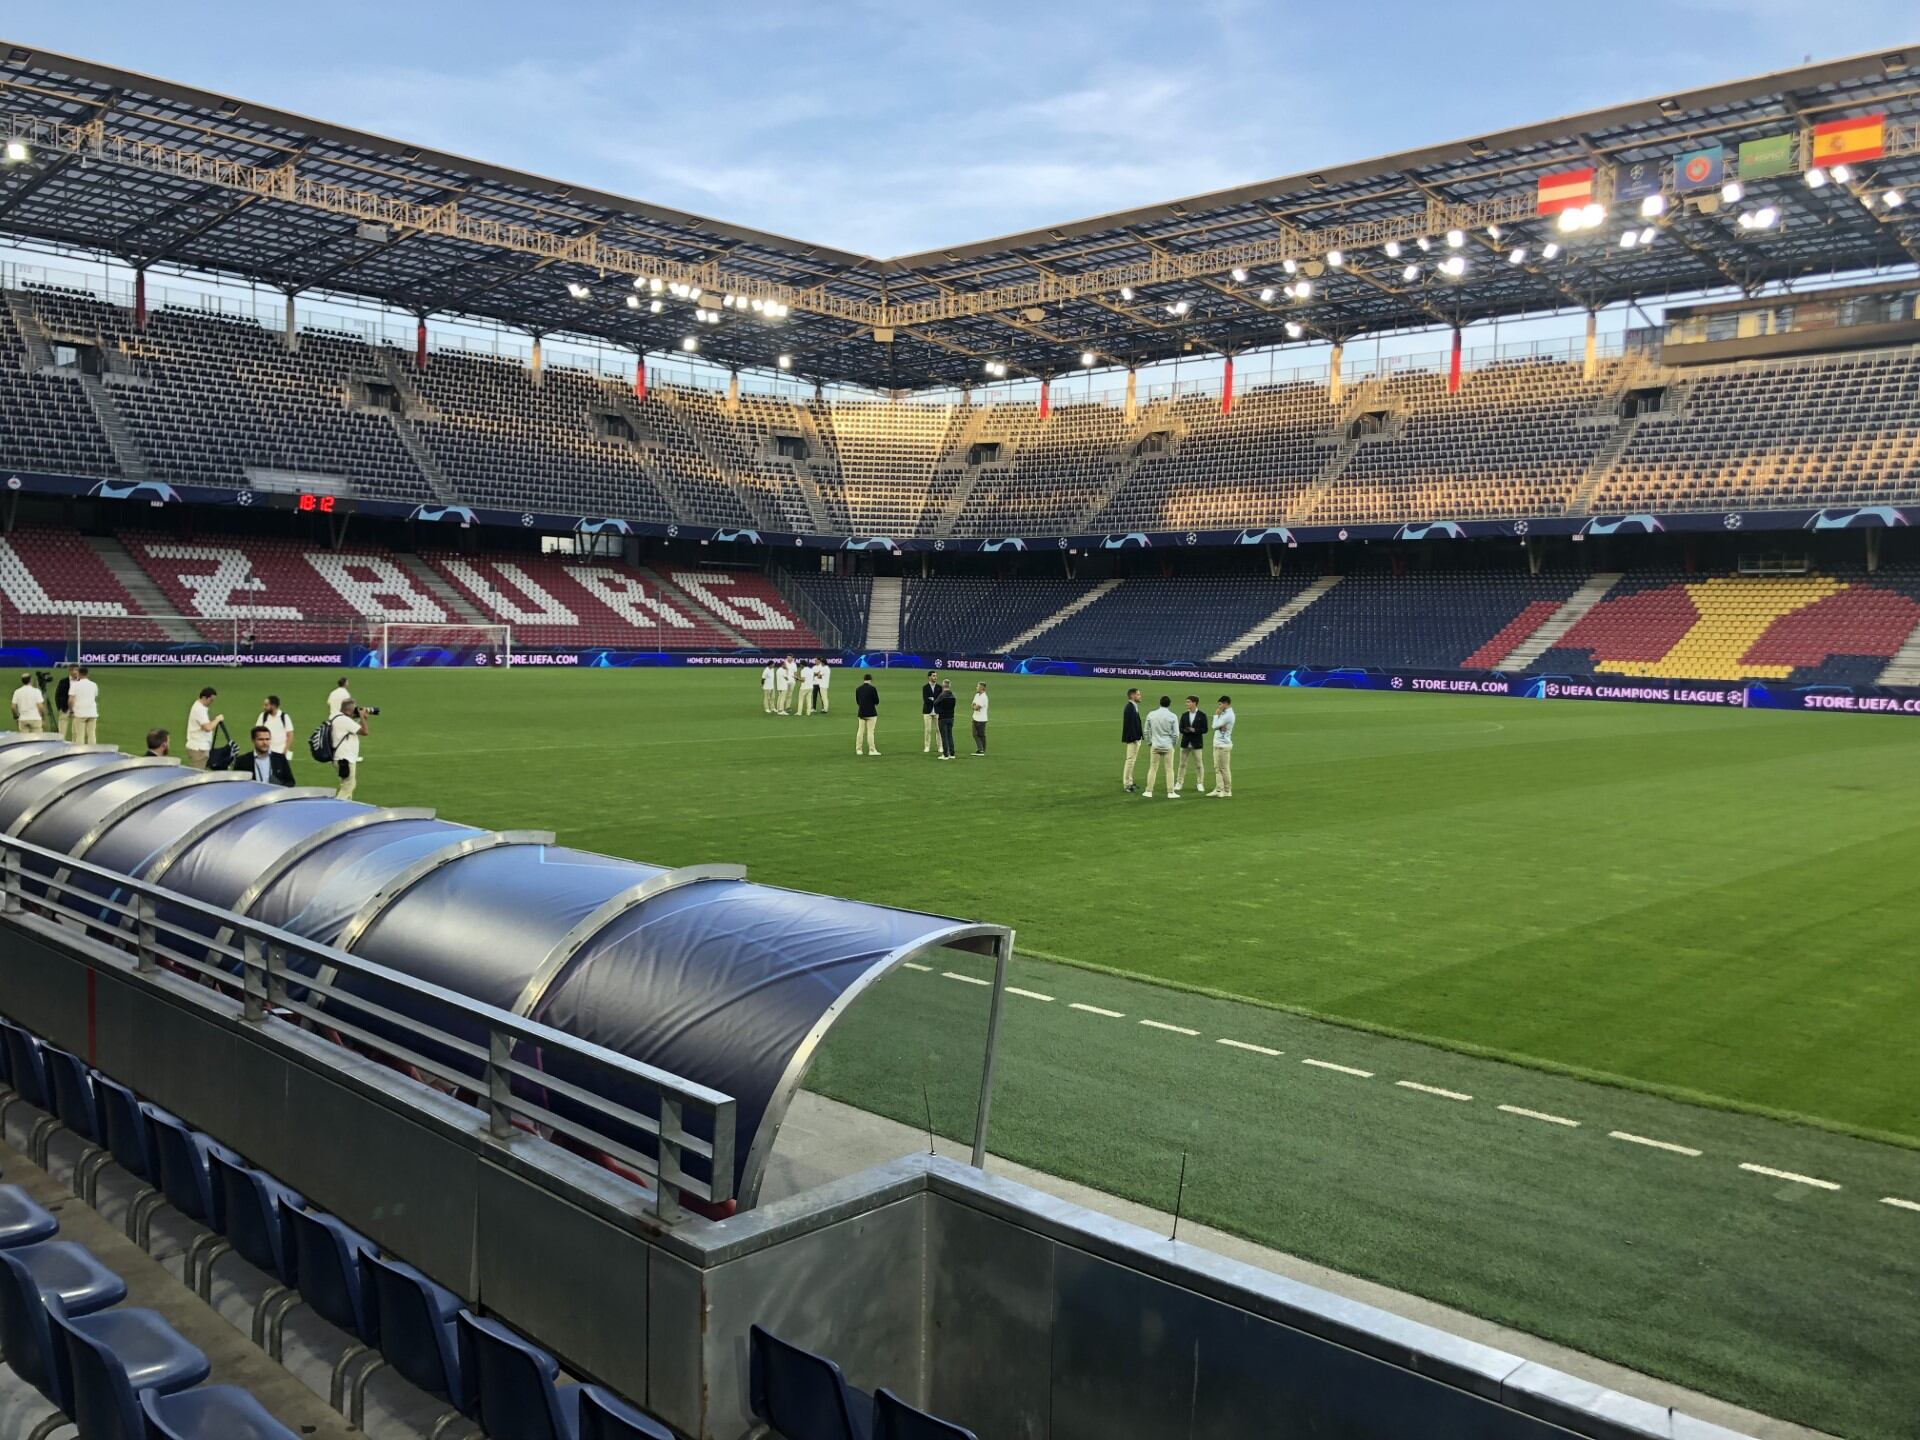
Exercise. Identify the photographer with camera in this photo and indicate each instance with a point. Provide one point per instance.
(29, 705)
(345, 730)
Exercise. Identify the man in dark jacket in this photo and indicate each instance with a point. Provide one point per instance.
(1193, 745)
(929, 697)
(62, 706)
(866, 705)
(1130, 733)
(265, 763)
(943, 708)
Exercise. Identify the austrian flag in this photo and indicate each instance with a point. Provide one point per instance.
(1568, 190)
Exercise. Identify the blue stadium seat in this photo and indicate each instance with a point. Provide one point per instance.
(30, 1281)
(68, 1272)
(895, 1419)
(180, 1156)
(513, 1384)
(105, 1396)
(803, 1395)
(249, 1202)
(325, 1256)
(128, 1135)
(210, 1412)
(22, 1220)
(605, 1416)
(26, 1072)
(415, 1320)
(71, 1092)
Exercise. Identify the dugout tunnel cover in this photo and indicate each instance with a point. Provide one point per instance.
(696, 970)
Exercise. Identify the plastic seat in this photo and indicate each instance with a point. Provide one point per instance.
(32, 1281)
(325, 1258)
(71, 1092)
(210, 1412)
(895, 1419)
(803, 1395)
(23, 1221)
(514, 1385)
(415, 1319)
(605, 1416)
(103, 1394)
(180, 1160)
(249, 1203)
(26, 1072)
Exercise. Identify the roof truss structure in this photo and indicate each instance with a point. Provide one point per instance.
(155, 173)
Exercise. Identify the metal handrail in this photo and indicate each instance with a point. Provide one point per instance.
(282, 977)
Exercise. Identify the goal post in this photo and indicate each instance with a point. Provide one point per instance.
(444, 643)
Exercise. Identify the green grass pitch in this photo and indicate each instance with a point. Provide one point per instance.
(1692, 926)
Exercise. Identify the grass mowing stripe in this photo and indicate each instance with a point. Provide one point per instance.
(1542, 1115)
(1343, 1069)
(1789, 1175)
(1431, 1090)
(1652, 1144)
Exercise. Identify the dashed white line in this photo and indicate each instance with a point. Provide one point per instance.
(912, 965)
(1096, 1010)
(1176, 1029)
(1027, 994)
(1652, 1144)
(1542, 1115)
(1343, 1069)
(1256, 1049)
(1896, 1200)
(1431, 1090)
(1789, 1175)
(967, 979)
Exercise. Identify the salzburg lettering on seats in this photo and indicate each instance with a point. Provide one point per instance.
(377, 588)
(743, 612)
(535, 605)
(627, 599)
(216, 575)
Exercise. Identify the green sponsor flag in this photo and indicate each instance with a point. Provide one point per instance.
(1769, 155)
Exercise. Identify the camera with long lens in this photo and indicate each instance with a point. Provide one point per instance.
(369, 709)
(43, 678)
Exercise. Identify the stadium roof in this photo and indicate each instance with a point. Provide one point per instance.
(158, 173)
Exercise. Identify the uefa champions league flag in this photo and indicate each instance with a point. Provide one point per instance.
(1701, 169)
(1635, 180)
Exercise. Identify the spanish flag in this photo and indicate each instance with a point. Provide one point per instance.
(1841, 142)
(1568, 190)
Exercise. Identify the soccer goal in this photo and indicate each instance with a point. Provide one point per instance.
(445, 644)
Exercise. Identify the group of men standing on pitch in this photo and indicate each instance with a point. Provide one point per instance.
(790, 687)
(938, 706)
(1183, 736)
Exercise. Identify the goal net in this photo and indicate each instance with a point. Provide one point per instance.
(446, 644)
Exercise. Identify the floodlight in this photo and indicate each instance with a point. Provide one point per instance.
(785, 362)
(1549, 250)
(1424, 243)
(633, 302)
(1087, 357)
(639, 282)
(1239, 275)
(694, 293)
(1629, 240)
(1454, 265)
(727, 301)
(1732, 192)
(1392, 248)
(657, 306)
(1493, 232)
(1303, 289)
(757, 305)
(17, 152)
(1295, 330)
(1841, 174)
(1266, 294)
(1336, 259)
(1292, 267)
(1646, 235)
(1178, 308)
(577, 290)
(656, 285)
(1411, 272)
(1893, 199)
(1456, 238)
(1517, 255)
(1653, 207)
(1816, 177)
(1568, 222)
(1765, 217)
(1593, 214)
(1126, 292)
(689, 344)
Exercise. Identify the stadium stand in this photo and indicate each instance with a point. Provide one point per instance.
(573, 603)
(1438, 620)
(1182, 619)
(48, 577)
(975, 615)
(45, 421)
(1815, 628)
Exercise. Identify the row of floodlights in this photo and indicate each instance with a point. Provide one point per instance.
(693, 294)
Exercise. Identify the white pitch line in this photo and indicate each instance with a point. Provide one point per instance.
(1431, 1090)
(968, 979)
(1256, 1049)
(1343, 1069)
(1027, 994)
(1896, 1200)
(1542, 1115)
(913, 965)
(1162, 1025)
(1652, 1144)
(1096, 1010)
(1789, 1175)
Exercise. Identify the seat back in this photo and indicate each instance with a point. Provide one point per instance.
(325, 1259)
(123, 1128)
(249, 1205)
(800, 1394)
(604, 1416)
(26, 1331)
(24, 1067)
(102, 1404)
(72, 1092)
(182, 1167)
(415, 1324)
(895, 1419)
(512, 1382)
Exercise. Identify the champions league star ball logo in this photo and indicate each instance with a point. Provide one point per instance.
(526, 521)
(245, 497)
(1732, 522)
(1398, 682)
(1519, 527)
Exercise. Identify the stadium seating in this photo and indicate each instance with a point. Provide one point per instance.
(1808, 628)
(46, 423)
(843, 599)
(975, 615)
(564, 602)
(48, 577)
(1184, 619)
(1440, 620)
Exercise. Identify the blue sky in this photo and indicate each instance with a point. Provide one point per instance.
(892, 128)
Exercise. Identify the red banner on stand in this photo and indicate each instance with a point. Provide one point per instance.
(1226, 389)
(1453, 364)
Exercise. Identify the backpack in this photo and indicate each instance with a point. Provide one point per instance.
(320, 742)
(220, 755)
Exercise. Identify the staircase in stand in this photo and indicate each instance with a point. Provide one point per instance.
(955, 462)
(1126, 457)
(1904, 668)
(424, 460)
(147, 596)
(1063, 614)
(127, 454)
(1561, 621)
(1279, 617)
(435, 584)
(883, 614)
(33, 340)
(1367, 395)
